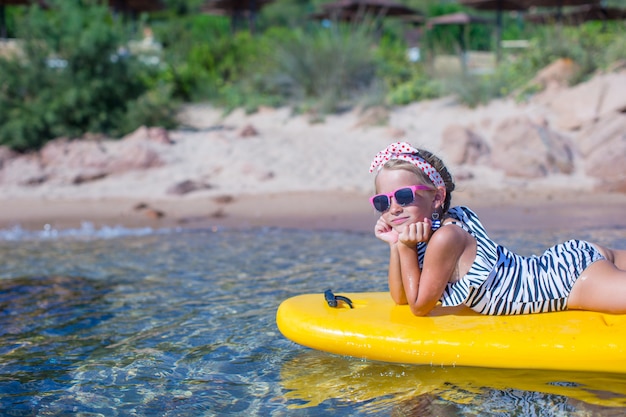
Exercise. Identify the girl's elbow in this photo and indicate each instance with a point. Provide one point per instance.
(420, 310)
(398, 297)
(399, 301)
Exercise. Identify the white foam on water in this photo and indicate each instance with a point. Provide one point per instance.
(86, 230)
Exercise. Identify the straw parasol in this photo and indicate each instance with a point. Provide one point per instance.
(579, 14)
(343, 15)
(136, 6)
(557, 3)
(358, 9)
(457, 19)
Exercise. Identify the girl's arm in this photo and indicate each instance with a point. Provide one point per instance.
(385, 233)
(423, 287)
(396, 287)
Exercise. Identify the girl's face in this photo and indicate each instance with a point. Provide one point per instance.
(423, 205)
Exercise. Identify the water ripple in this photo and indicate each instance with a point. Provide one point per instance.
(182, 322)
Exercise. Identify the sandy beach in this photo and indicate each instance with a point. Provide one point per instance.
(292, 173)
(303, 210)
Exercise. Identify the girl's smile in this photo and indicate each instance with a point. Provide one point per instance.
(400, 220)
(388, 182)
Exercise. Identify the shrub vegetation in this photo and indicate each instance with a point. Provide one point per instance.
(74, 74)
(73, 77)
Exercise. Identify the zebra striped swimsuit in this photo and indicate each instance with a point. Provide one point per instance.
(501, 282)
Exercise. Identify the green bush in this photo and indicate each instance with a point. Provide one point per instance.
(417, 89)
(72, 77)
(473, 89)
(615, 51)
(404, 81)
(154, 107)
(329, 68)
(314, 68)
(203, 57)
(591, 47)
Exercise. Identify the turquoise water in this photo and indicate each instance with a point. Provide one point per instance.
(119, 322)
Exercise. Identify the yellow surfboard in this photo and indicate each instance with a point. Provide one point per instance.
(378, 329)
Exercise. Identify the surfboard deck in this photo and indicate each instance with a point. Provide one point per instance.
(378, 329)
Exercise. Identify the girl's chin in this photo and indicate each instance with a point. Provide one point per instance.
(399, 228)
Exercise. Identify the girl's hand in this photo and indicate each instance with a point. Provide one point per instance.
(416, 232)
(385, 232)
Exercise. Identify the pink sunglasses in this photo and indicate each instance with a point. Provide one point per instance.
(403, 196)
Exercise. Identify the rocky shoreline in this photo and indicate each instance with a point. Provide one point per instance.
(561, 144)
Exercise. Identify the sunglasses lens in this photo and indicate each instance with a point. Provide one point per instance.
(404, 196)
(380, 202)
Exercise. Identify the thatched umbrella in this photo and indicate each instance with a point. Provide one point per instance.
(343, 16)
(559, 4)
(360, 9)
(134, 7)
(375, 7)
(235, 9)
(457, 19)
(578, 15)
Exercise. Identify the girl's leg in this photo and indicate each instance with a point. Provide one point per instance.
(618, 257)
(601, 287)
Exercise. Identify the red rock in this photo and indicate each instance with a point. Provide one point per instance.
(524, 149)
(603, 147)
(150, 134)
(248, 131)
(463, 146)
(585, 103)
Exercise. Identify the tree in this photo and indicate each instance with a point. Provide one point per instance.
(73, 75)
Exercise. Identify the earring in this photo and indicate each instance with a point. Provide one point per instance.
(436, 221)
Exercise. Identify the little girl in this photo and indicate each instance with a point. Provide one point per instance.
(443, 254)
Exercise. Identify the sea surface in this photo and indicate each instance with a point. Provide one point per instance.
(143, 322)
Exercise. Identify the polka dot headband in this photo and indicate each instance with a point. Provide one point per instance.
(405, 152)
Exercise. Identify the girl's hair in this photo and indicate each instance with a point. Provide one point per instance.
(437, 163)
